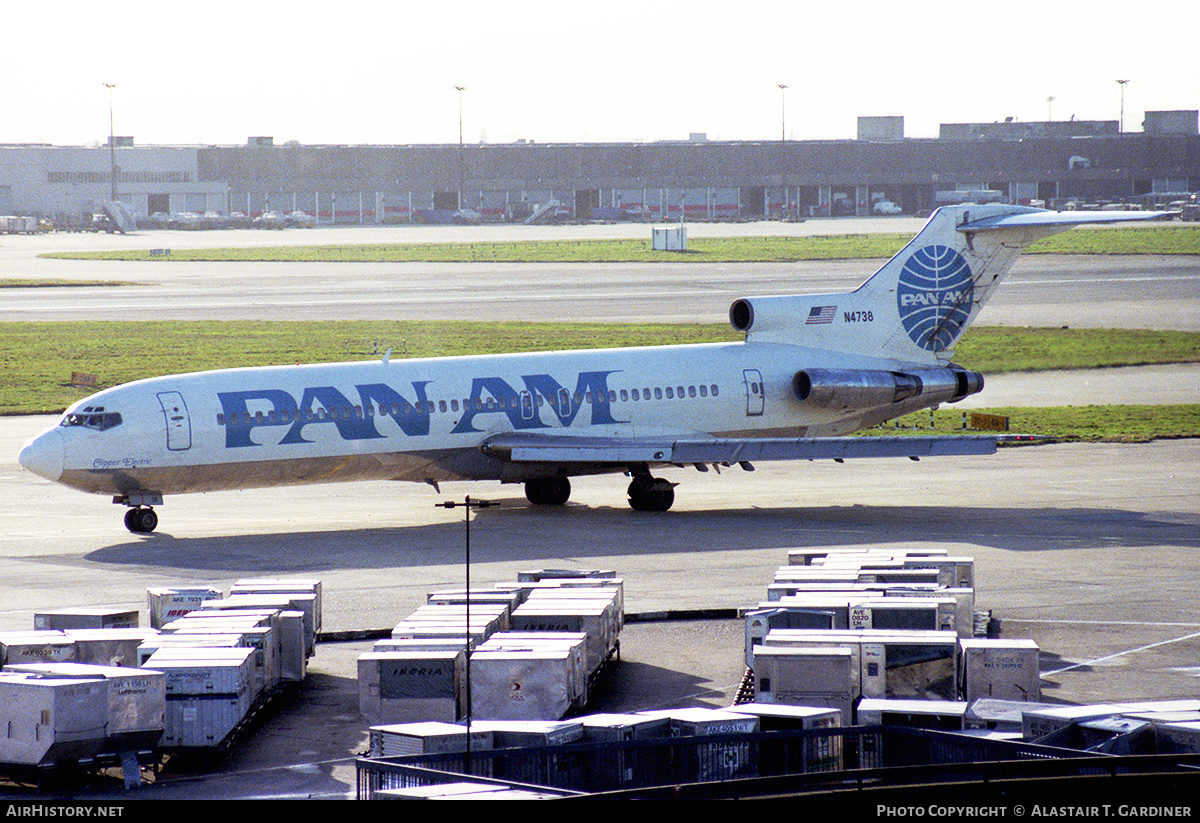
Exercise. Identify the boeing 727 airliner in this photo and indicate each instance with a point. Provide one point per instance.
(811, 370)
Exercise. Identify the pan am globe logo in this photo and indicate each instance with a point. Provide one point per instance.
(934, 295)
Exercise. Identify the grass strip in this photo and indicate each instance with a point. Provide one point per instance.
(1111, 424)
(1159, 240)
(38, 358)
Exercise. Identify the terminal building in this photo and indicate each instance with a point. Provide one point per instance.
(1044, 163)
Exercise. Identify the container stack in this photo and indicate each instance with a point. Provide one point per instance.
(841, 627)
(536, 644)
(89, 683)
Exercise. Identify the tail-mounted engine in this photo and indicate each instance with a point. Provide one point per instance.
(846, 389)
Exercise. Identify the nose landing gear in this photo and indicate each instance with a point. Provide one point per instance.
(141, 520)
(141, 517)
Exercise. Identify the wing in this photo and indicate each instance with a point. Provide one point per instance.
(548, 448)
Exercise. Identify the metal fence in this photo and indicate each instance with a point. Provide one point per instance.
(826, 756)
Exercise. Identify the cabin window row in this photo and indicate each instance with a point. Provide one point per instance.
(467, 404)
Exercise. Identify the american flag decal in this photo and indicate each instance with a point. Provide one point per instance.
(820, 315)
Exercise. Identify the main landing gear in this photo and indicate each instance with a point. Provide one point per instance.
(646, 493)
(548, 491)
(650, 494)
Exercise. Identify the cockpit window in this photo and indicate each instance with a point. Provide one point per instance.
(93, 417)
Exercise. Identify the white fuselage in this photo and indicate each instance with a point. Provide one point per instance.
(424, 420)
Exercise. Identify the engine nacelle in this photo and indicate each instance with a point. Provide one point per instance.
(846, 389)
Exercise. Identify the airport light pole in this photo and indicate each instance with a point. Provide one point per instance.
(462, 168)
(467, 503)
(1050, 108)
(112, 144)
(1121, 127)
(783, 87)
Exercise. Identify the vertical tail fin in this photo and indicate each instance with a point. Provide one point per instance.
(917, 306)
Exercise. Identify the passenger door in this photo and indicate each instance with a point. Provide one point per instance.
(179, 425)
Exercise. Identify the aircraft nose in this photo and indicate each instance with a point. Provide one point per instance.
(43, 455)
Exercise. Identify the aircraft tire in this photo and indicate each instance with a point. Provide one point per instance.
(141, 521)
(647, 494)
(550, 491)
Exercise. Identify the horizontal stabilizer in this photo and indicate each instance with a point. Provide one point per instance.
(1047, 219)
(525, 448)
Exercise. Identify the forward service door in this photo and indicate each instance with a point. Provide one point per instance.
(179, 425)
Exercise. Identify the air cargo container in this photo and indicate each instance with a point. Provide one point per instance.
(51, 720)
(136, 701)
(626, 767)
(610, 594)
(514, 684)
(575, 643)
(816, 754)
(172, 602)
(810, 675)
(890, 663)
(448, 597)
(274, 585)
(87, 617)
(942, 715)
(999, 668)
(538, 575)
(407, 687)
(36, 647)
(265, 640)
(109, 647)
(430, 737)
(214, 640)
(596, 618)
(999, 715)
(720, 761)
(208, 693)
(793, 616)
(549, 769)
(306, 603)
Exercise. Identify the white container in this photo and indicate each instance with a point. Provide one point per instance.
(209, 692)
(1000, 668)
(136, 698)
(817, 676)
(722, 761)
(575, 643)
(282, 602)
(625, 767)
(276, 585)
(815, 754)
(172, 602)
(213, 640)
(87, 617)
(432, 737)
(36, 647)
(109, 647)
(49, 719)
(522, 685)
(943, 715)
(408, 687)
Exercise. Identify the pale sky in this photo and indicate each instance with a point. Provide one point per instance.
(217, 71)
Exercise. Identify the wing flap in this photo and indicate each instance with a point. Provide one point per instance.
(527, 448)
